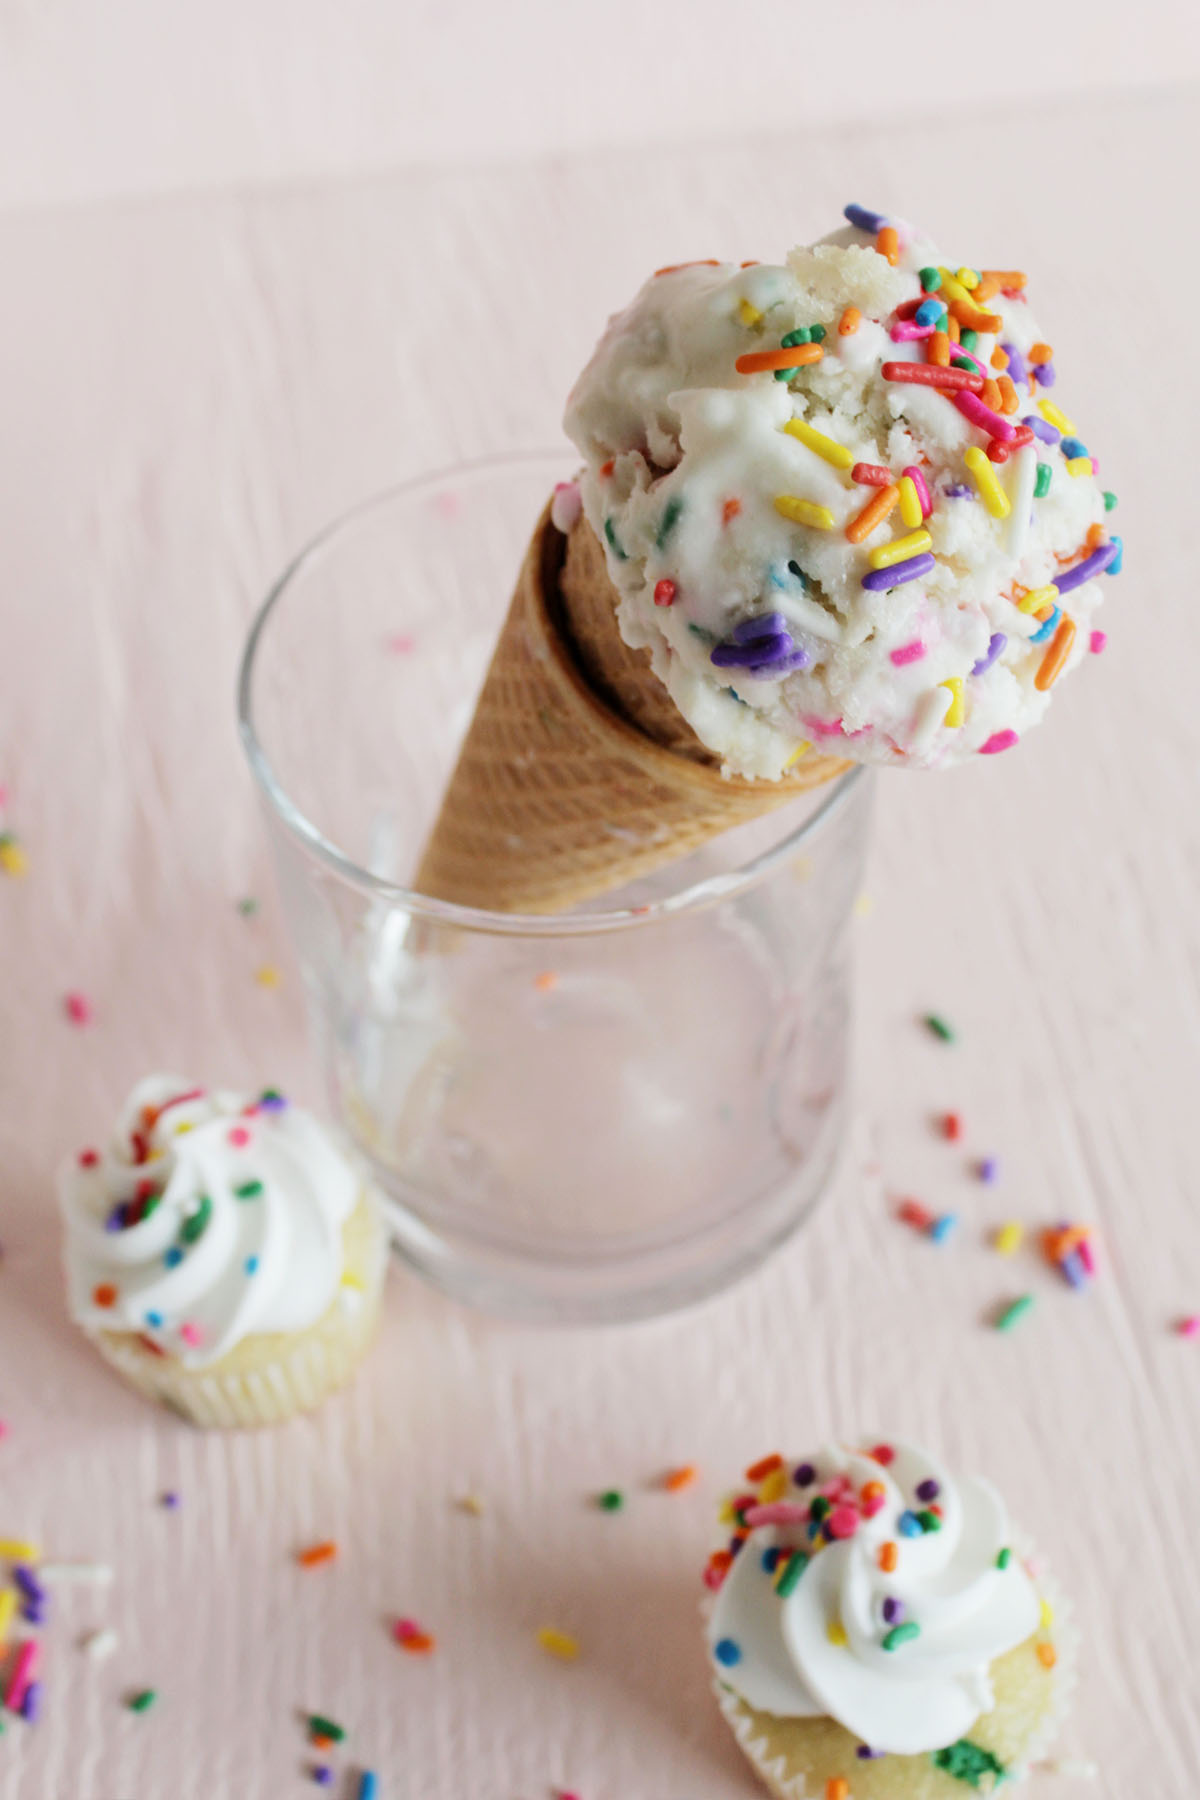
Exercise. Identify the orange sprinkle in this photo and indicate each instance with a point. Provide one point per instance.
(972, 316)
(765, 1466)
(105, 1294)
(937, 349)
(1040, 353)
(990, 394)
(837, 1788)
(606, 468)
(675, 1480)
(1095, 537)
(799, 357)
(720, 1560)
(873, 1490)
(319, 1741)
(1044, 612)
(985, 289)
(1009, 401)
(952, 330)
(1017, 593)
(417, 1643)
(1047, 1655)
(873, 513)
(730, 510)
(999, 359)
(546, 982)
(849, 322)
(1056, 655)
(705, 262)
(889, 1555)
(1004, 278)
(888, 244)
(317, 1553)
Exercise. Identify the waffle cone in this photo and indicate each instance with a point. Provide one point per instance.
(578, 774)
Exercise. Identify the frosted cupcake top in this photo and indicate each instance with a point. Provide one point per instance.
(841, 503)
(870, 1587)
(209, 1216)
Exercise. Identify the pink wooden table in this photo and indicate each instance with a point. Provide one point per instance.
(189, 387)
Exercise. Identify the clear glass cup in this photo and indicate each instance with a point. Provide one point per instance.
(597, 1116)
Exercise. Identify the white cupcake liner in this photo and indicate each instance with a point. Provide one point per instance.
(773, 1771)
(270, 1377)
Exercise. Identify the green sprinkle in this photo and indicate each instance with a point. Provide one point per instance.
(248, 907)
(1110, 499)
(1041, 486)
(802, 335)
(319, 1726)
(929, 1521)
(901, 1634)
(793, 1569)
(670, 519)
(248, 1190)
(968, 339)
(816, 334)
(962, 362)
(706, 637)
(785, 374)
(820, 1508)
(931, 279)
(967, 1762)
(143, 1701)
(612, 1500)
(269, 1095)
(935, 1023)
(196, 1224)
(1016, 1310)
(613, 545)
(1004, 1558)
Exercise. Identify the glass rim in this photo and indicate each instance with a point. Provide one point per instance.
(313, 842)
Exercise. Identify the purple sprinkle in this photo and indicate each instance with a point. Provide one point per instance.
(1075, 1270)
(912, 569)
(928, 1490)
(989, 1169)
(893, 1610)
(1046, 376)
(34, 1612)
(170, 1500)
(996, 644)
(866, 1754)
(765, 625)
(865, 219)
(322, 1775)
(959, 490)
(1016, 363)
(1041, 428)
(28, 1582)
(804, 1475)
(1091, 565)
(752, 655)
(116, 1218)
(273, 1103)
(31, 1705)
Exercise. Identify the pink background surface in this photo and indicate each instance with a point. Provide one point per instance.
(190, 386)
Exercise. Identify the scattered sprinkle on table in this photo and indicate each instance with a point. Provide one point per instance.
(611, 1500)
(322, 1774)
(96, 1574)
(142, 1701)
(409, 1635)
(470, 1503)
(321, 1727)
(247, 906)
(546, 982)
(952, 1126)
(942, 1227)
(316, 1554)
(1015, 1310)
(1009, 1238)
(170, 1500)
(99, 1645)
(368, 1785)
(268, 976)
(78, 1008)
(1189, 1327)
(13, 860)
(558, 1643)
(988, 1169)
(675, 1480)
(19, 1550)
(937, 1025)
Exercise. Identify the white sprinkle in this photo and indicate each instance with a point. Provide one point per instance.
(99, 1574)
(931, 715)
(1020, 492)
(100, 1645)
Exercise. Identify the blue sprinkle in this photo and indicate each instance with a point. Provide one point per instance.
(173, 1257)
(154, 1320)
(1073, 446)
(865, 219)
(1047, 629)
(1114, 567)
(909, 1526)
(251, 1265)
(959, 490)
(770, 1558)
(929, 312)
(368, 1785)
(727, 1652)
(941, 1228)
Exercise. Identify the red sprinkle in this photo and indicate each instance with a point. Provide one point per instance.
(871, 475)
(664, 592)
(882, 1453)
(730, 510)
(606, 468)
(78, 1008)
(105, 1294)
(913, 1213)
(932, 375)
(952, 1127)
(89, 1158)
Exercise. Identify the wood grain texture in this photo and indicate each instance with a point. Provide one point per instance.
(191, 387)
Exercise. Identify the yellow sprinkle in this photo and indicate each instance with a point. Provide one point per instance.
(8, 1606)
(804, 512)
(900, 549)
(1009, 1238)
(864, 906)
(470, 1503)
(910, 502)
(13, 859)
(952, 288)
(558, 1643)
(181, 1130)
(157, 1154)
(1079, 465)
(969, 278)
(834, 453)
(984, 477)
(749, 315)
(835, 1631)
(726, 1514)
(773, 1487)
(1053, 415)
(1036, 598)
(19, 1550)
(352, 1281)
(800, 750)
(954, 715)
(268, 976)
(1047, 1615)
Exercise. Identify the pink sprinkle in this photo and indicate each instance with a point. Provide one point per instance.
(1097, 642)
(239, 1137)
(192, 1336)
(922, 486)
(713, 1578)
(907, 331)
(842, 1522)
(908, 653)
(999, 740)
(23, 1673)
(1189, 1327)
(1087, 1255)
(823, 727)
(402, 643)
(78, 1008)
(972, 407)
(871, 1507)
(88, 1159)
(779, 1512)
(405, 1629)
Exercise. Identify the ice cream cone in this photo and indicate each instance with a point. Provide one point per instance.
(578, 774)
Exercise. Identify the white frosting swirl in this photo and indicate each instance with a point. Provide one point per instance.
(830, 1648)
(210, 1216)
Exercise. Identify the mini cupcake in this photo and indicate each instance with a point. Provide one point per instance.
(223, 1254)
(876, 1635)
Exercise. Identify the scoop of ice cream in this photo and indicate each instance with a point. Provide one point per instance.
(885, 545)
(871, 1588)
